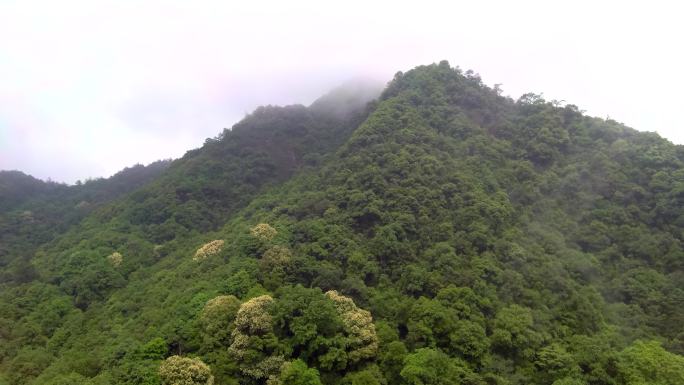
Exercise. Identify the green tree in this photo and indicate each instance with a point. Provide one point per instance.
(513, 331)
(370, 375)
(646, 362)
(217, 318)
(432, 367)
(297, 373)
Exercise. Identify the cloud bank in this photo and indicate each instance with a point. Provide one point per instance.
(90, 87)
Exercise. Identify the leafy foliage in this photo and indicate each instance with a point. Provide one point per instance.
(177, 370)
(442, 234)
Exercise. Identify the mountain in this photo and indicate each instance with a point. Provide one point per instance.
(33, 212)
(436, 233)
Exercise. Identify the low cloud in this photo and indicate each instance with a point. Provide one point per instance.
(91, 87)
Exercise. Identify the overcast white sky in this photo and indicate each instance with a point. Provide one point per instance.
(89, 87)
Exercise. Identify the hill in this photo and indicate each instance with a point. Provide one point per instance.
(441, 234)
(33, 212)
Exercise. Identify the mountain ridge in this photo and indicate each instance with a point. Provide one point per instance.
(493, 241)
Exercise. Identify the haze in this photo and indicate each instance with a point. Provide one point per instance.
(90, 87)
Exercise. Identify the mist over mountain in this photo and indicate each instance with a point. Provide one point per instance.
(426, 231)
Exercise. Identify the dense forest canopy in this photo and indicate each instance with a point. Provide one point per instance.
(434, 233)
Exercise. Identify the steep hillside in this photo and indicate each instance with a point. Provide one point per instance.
(192, 195)
(442, 235)
(33, 212)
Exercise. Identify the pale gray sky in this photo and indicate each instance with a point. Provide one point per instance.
(88, 87)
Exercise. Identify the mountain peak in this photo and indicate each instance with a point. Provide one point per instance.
(440, 233)
(351, 95)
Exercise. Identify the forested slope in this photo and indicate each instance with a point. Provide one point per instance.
(443, 234)
(33, 212)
